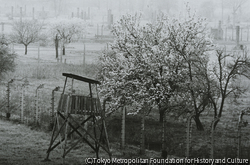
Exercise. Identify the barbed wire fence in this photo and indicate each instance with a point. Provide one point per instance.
(35, 105)
(229, 33)
(27, 103)
(230, 138)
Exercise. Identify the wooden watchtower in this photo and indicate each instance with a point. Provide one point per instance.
(73, 112)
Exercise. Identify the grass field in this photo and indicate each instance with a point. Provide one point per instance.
(49, 72)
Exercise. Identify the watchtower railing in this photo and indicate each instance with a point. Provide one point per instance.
(80, 104)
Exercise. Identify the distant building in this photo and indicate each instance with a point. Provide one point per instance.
(217, 32)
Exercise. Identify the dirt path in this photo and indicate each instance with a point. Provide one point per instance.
(19, 145)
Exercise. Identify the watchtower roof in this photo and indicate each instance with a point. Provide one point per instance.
(80, 78)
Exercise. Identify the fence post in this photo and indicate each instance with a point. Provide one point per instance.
(38, 61)
(226, 34)
(102, 32)
(3, 93)
(237, 35)
(123, 127)
(61, 53)
(22, 103)
(240, 124)
(8, 99)
(189, 131)
(164, 135)
(216, 120)
(97, 31)
(247, 33)
(37, 107)
(232, 33)
(84, 56)
(142, 140)
(241, 31)
(53, 106)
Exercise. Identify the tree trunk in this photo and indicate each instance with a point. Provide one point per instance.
(161, 111)
(56, 47)
(63, 50)
(161, 116)
(215, 124)
(26, 48)
(198, 123)
(8, 115)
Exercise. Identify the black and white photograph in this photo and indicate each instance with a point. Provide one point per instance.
(124, 82)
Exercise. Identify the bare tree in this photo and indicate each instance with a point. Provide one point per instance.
(66, 31)
(235, 6)
(26, 32)
(189, 43)
(227, 71)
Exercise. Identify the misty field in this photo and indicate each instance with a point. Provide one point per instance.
(31, 95)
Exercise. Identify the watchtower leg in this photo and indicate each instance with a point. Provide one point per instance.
(94, 121)
(66, 126)
(51, 141)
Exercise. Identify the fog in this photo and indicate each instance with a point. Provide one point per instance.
(229, 11)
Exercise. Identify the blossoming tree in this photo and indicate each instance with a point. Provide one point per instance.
(139, 71)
